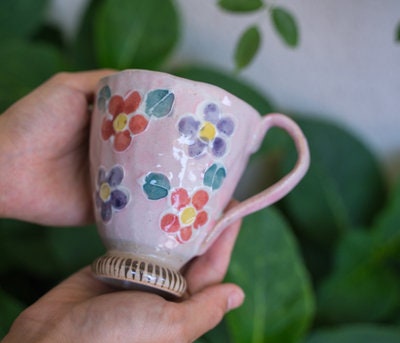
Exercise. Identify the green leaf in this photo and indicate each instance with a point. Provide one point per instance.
(266, 263)
(285, 25)
(24, 245)
(214, 176)
(51, 35)
(74, 248)
(247, 47)
(159, 103)
(218, 334)
(354, 291)
(364, 270)
(23, 67)
(240, 5)
(21, 18)
(10, 309)
(156, 186)
(82, 52)
(397, 37)
(386, 233)
(135, 33)
(365, 333)
(231, 84)
(333, 196)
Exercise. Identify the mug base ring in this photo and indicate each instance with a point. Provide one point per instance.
(129, 271)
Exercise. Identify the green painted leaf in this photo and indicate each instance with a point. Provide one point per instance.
(230, 83)
(279, 306)
(159, 103)
(21, 18)
(103, 97)
(17, 77)
(286, 26)
(240, 5)
(135, 33)
(156, 186)
(247, 47)
(365, 333)
(214, 176)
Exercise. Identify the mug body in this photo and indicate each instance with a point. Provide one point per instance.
(166, 154)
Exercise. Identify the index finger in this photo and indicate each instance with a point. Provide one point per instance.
(85, 82)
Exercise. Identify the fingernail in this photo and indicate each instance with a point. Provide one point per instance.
(235, 299)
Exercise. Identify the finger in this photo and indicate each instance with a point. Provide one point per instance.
(204, 310)
(211, 267)
(79, 287)
(85, 82)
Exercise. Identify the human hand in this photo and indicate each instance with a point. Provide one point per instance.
(44, 174)
(83, 309)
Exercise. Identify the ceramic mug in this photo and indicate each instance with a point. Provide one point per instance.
(166, 154)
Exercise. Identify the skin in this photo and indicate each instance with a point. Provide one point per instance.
(44, 178)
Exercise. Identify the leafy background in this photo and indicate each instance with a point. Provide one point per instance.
(320, 266)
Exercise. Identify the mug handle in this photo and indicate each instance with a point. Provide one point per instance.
(274, 192)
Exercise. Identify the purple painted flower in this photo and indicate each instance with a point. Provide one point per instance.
(211, 132)
(109, 197)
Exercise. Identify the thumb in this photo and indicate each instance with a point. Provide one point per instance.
(205, 309)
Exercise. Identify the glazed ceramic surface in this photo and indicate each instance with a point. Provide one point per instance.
(166, 154)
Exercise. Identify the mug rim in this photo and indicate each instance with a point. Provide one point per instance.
(181, 79)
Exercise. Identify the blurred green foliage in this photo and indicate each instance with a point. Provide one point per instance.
(320, 266)
(282, 20)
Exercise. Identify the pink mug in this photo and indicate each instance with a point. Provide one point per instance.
(166, 154)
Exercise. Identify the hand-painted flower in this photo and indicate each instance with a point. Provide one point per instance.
(122, 123)
(211, 132)
(187, 213)
(110, 197)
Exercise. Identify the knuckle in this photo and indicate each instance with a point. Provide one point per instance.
(61, 77)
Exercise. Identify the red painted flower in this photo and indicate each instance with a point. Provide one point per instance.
(123, 123)
(187, 214)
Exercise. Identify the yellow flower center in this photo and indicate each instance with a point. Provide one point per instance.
(105, 191)
(188, 215)
(120, 122)
(208, 131)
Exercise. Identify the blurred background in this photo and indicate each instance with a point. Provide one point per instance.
(323, 265)
(345, 67)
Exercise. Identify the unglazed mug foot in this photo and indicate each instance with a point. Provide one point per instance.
(134, 272)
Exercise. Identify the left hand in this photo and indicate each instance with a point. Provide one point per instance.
(44, 167)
